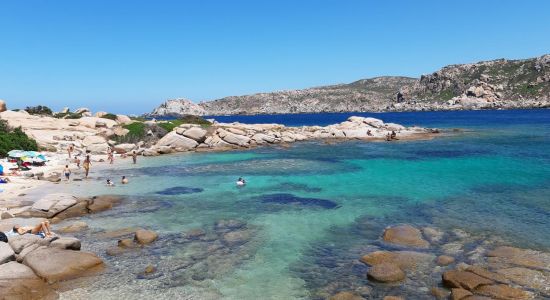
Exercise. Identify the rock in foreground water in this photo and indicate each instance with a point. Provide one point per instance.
(405, 235)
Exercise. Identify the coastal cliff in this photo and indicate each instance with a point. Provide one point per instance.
(491, 84)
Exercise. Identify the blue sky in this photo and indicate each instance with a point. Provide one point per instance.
(129, 56)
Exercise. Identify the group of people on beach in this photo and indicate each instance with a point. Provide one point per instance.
(88, 163)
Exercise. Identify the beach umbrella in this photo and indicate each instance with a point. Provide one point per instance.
(26, 159)
(16, 153)
(39, 158)
(31, 153)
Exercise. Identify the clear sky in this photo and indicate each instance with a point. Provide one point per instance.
(129, 56)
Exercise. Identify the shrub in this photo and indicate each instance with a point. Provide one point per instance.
(68, 115)
(170, 125)
(39, 110)
(14, 138)
(140, 119)
(138, 132)
(110, 116)
(189, 119)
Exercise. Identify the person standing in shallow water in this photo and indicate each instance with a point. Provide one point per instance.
(67, 172)
(134, 157)
(70, 150)
(87, 163)
(110, 155)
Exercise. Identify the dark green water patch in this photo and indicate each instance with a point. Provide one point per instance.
(179, 190)
(289, 199)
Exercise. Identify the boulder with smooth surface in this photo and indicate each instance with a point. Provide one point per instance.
(174, 140)
(69, 243)
(405, 235)
(144, 236)
(54, 264)
(195, 133)
(6, 253)
(386, 272)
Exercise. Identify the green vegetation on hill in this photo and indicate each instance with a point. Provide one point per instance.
(68, 115)
(188, 119)
(137, 132)
(13, 139)
(110, 116)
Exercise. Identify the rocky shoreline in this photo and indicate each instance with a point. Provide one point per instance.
(96, 135)
(34, 268)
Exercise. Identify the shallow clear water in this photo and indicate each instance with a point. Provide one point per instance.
(492, 179)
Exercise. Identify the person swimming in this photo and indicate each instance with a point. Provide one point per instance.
(124, 180)
(110, 183)
(241, 181)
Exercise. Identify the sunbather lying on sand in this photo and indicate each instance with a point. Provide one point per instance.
(43, 230)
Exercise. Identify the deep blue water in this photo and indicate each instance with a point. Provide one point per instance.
(485, 118)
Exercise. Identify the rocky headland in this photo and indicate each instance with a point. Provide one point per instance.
(495, 84)
(96, 134)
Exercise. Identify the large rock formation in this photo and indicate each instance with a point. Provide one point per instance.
(487, 81)
(178, 107)
(490, 84)
(225, 136)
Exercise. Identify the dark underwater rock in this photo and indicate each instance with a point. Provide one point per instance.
(178, 190)
(284, 198)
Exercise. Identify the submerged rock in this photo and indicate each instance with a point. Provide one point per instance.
(407, 260)
(178, 190)
(145, 236)
(346, 296)
(464, 279)
(502, 291)
(74, 227)
(235, 238)
(445, 260)
(405, 235)
(104, 202)
(229, 224)
(386, 272)
(194, 234)
(291, 199)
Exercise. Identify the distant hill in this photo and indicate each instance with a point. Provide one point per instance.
(493, 80)
(490, 84)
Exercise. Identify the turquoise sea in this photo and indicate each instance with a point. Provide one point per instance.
(309, 211)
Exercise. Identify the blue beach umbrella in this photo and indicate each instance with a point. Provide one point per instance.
(16, 153)
(31, 153)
